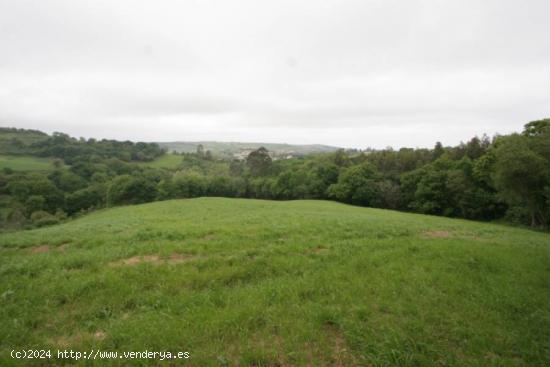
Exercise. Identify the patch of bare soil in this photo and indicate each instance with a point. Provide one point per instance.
(99, 335)
(134, 260)
(340, 354)
(40, 249)
(77, 339)
(63, 247)
(436, 234)
(317, 250)
(174, 258)
(68, 341)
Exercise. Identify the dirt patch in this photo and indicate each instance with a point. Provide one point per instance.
(174, 258)
(63, 247)
(99, 335)
(436, 234)
(317, 250)
(208, 237)
(77, 339)
(68, 341)
(340, 354)
(134, 260)
(40, 249)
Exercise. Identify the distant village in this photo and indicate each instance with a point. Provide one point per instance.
(285, 154)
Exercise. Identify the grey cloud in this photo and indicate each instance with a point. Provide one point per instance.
(351, 73)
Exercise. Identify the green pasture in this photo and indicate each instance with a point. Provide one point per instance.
(263, 283)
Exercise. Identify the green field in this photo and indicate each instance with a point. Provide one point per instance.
(25, 163)
(168, 161)
(262, 283)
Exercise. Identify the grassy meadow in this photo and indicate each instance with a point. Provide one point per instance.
(25, 163)
(168, 161)
(263, 283)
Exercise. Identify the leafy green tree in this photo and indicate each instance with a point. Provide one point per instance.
(226, 186)
(259, 162)
(187, 184)
(22, 186)
(126, 189)
(340, 158)
(357, 185)
(83, 199)
(390, 194)
(261, 187)
(537, 128)
(438, 150)
(236, 167)
(431, 195)
(200, 150)
(35, 203)
(67, 181)
(16, 216)
(522, 176)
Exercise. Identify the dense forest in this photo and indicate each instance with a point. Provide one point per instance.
(504, 178)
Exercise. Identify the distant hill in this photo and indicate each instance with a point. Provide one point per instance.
(14, 141)
(235, 149)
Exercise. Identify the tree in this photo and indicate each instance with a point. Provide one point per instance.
(259, 162)
(34, 203)
(537, 128)
(128, 189)
(187, 184)
(236, 167)
(57, 163)
(21, 187)
(200, 150)
(357, 185)
(67, 181)
(438, 150)
(431, 195)
(83, 199)
(522, 176)
(390, 195)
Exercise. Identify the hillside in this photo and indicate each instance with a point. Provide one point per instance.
(14, 141)
(279, 283)
(235, 149)
(25, 163)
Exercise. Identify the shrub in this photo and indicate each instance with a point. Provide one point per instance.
(41, 218)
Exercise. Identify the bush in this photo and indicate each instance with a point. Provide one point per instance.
(16, 216)
(41, 218)
(35, 203)
(126, 189)
(518, 215)
(92, 196)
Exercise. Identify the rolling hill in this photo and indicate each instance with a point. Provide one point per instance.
(262, 283)
(229, 149)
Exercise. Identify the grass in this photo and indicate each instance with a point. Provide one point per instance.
(168, 161)
(261, 283)
(25, 163)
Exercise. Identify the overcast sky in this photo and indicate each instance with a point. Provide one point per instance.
(347, 73)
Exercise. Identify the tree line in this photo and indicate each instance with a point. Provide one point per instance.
(505, 178)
